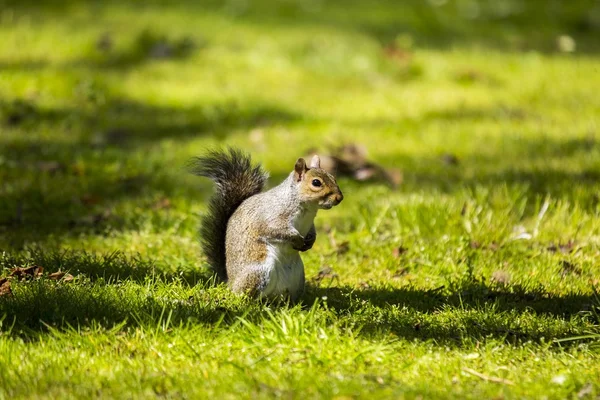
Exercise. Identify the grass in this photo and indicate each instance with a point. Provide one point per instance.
(476, 278)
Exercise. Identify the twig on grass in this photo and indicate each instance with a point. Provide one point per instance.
(488, 378)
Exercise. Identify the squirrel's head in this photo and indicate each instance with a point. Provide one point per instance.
(315, 185)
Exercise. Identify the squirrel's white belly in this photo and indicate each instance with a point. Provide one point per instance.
(286, 271)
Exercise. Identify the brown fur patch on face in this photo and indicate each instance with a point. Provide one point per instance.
(311, 193)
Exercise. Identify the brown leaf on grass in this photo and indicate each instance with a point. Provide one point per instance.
(370, 171)
(5, 289)
(585, 391)
(162, 204)
(563, 248)
(59, 275)
(351, 160)
(50, 167)
(27, 272)
(398, 251)
(568, 268)
(476, 245)
(394, 176)
(93, 220)
(104, 42)
(501, 277)
(365, 173)
(89, 200)
(400, 272)
(352, 153)
(324, 273)
(343, 247)
(450, 159)
(397, 54)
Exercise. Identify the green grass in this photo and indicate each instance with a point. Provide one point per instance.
(494, 294)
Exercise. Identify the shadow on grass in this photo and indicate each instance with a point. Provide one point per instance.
(113, 267)
(122, 122)
(105, 293)
(481, 311)
(33, 208)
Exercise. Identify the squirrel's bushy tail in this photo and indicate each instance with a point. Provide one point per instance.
(235, 179)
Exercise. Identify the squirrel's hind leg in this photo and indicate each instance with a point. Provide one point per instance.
(253, 281)
(266, 281)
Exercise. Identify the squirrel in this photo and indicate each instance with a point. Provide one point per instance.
(252, 238)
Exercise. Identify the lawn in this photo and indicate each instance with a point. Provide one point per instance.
(477, 277)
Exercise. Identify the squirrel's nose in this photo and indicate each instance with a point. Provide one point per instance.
(339, 197)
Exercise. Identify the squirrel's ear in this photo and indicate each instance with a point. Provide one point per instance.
(299, 169)
(315, 162)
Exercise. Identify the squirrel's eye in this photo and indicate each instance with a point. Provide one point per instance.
(316, 183)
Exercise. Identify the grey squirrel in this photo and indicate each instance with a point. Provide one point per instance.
(252, 238)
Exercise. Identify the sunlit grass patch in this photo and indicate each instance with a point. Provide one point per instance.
(476, 278)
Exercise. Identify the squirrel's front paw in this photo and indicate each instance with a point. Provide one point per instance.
(309, 241)
(298, 242)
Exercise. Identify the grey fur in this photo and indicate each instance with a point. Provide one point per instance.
(261, 221)
(263, 233)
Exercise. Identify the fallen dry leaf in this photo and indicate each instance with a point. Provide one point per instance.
(450, 159)
(352, 153)
(5, 289)
(501, 277)
(585, 391)
(476, 245)
(343, 247)
(58, 275)
(568, 268)
(400, 272)
(365, 173)
(351, 160)
(89, 200)
(563, 248)
(27, 272)
(104, 42)
(326, 272)
(93, 220)
(398, 251)
(394, 176)
(397, 54)
(162, 204)
(50, 167)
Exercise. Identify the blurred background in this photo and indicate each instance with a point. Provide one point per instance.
(103, 102)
